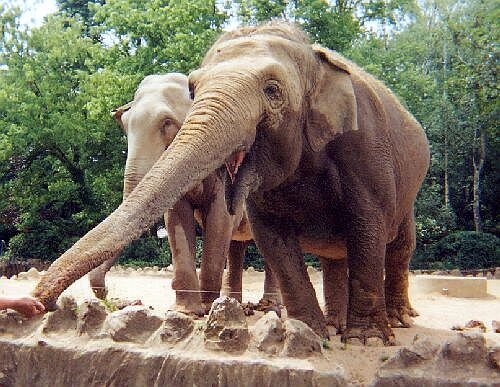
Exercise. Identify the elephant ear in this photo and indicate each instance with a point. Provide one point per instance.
(333, 107)
(118, 112)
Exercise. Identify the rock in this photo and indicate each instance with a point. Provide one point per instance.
(456, 273)
(494, 358)
(91, 316)
(64, 318)
(250, 269)
(3, 277)
(300, 340)
(422, 349)
(418, 272)
(269, 333)
(139, 270)
(156, 268)
(465, 347)
(22, 275)
(497, 273)
(226, 326)
(33, 274)
(15, 324)
(14, 277)
(176, 327)
(170, 268)
(115, 303)
(133, 323)
(311, 270)
(495, 324)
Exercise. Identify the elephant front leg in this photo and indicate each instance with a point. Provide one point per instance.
(397, 259)
(366, 317)
(216, 239)
(335, 290)
(280, 247)
(182, 238)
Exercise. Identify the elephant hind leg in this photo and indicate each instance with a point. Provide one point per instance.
(336, 291)
(397, 259)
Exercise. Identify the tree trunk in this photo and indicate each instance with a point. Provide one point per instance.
(478, 161)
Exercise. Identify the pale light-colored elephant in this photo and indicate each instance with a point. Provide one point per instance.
(150, 123)
(323, 155)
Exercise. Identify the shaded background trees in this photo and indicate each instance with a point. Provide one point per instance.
(62, 156)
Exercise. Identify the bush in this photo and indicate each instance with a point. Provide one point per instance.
(466, 250)
(146, 251)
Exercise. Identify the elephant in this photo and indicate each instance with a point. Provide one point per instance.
(150, 123)
(319, 152)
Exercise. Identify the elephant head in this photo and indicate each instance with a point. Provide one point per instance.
(151, 122)
(261, 96)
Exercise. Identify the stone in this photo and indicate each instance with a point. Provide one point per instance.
(176, 327)
(227, 327)
(497, 273)
(64, 318)
(494, 358)
(33, 274)
(469, 347)
(250, 269)
(15, 324)
(495, 325)
(22, 275)
(170, 268)
(300, 340)
(90, 317)
(133, 323)
(422, 349)
(269, 333)
(456, 273)
(115, 303)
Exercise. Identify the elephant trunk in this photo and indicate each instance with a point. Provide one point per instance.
(200, 147)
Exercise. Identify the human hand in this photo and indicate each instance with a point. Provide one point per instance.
(27, 306)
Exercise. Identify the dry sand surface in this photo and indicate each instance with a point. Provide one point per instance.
(438, 314)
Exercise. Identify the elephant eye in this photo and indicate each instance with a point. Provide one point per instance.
(273, 91)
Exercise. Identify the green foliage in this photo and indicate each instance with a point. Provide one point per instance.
(467, 250)
(146, 251)
(62, 155)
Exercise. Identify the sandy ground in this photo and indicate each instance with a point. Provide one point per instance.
(438, 313)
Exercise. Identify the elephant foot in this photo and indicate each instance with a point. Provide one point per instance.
(189, 303)
(372, 334)
(401, 316)
(193, 311)
(101, 292)
(335, 320)
(264, 305)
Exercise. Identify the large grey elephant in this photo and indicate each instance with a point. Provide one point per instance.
(150, 123)
(323, 155)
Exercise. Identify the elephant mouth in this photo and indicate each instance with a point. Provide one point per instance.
(234, 162)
